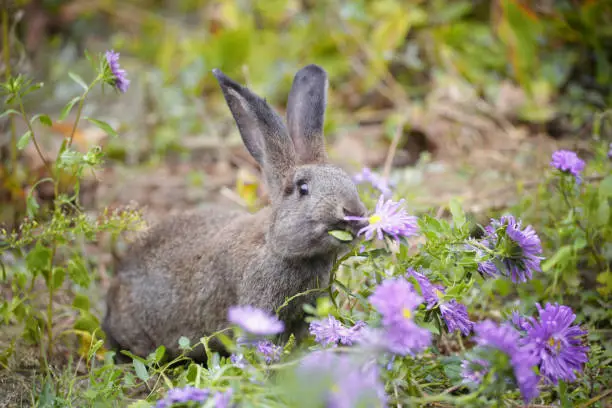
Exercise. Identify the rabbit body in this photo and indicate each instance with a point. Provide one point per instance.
(181, 277)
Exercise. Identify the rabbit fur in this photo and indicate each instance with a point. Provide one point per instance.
(181, 277)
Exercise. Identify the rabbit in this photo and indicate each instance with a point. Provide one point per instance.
(184, 274)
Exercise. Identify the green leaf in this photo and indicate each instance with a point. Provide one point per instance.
(32, 205)
(141, 370)
(457, 212)
(81, 302)
(103, 125)
(24, 140)
(38, 259)
(58, 277)
(78, 80)
(341, 235)
(78, 272)
(184, 343)
(9, 112)
(562, 255)
(159, 353)
(69, 158)
(94, 349)
(68, 107)
(42, 118)
(605, 187)
(87, 322)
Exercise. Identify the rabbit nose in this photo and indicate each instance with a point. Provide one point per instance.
(355, 224)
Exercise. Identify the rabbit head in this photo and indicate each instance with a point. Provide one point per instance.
(309, 196)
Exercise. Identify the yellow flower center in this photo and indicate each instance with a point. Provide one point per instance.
(554, 343)
(375, 218)
(335, 389)
(406, 313)
(439, 293)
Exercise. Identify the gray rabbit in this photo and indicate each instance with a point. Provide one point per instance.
(184, 274)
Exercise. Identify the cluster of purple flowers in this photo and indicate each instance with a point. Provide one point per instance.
(257, 323)
(568, 162)
(490, 338)
(518, 251)
(348, 382)
(550, 342)
(190, 394)
(118, 76)
(389, 218)
(558, 345)
(367, 176)
(454, 313)
(396, 301)
(330, 331)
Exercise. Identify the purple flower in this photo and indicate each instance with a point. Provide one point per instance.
(182, 395)
(223, 399)
(119, 79)
(389, 218)
(396, 301)
(610, 151)
(428, 289)
(456, 317)
(520, 322)
(367, 176)
(519, 249)
(238, 360)
(506, 339)
(255, 321)
(568, 162)
(454, 314)
(558, 344)
(347, 382)
(473, 371)
(270, 351)
(331, 331)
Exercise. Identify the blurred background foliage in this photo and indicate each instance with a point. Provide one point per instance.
(381, 53)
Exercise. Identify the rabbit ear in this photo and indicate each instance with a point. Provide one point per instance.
(306, 113)
(262, 130)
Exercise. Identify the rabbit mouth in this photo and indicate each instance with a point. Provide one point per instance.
(351, 227)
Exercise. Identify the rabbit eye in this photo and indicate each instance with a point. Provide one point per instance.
(302, 188)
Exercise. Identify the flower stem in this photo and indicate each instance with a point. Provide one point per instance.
(7, 74)
(80, 110)
(29, 124)
(50, 304)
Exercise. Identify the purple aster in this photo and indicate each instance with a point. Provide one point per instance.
(610, 151)
(520, 322)
(349, 383)
(520, 249)
(568, 162)
(456, 317)
(182, 395)
(559, 344)
(389, 218)
(506, 339)
(119, 79)
(223, 399)
(473, 371)
(454, 314)
(255, 321)
(379, 183)
(428, 289)
(270, 351)
(238, 360)
(396, 300)
(330, 331)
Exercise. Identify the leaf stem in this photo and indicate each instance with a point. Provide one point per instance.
(50, 304)
(29, 124)
(7, 74)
